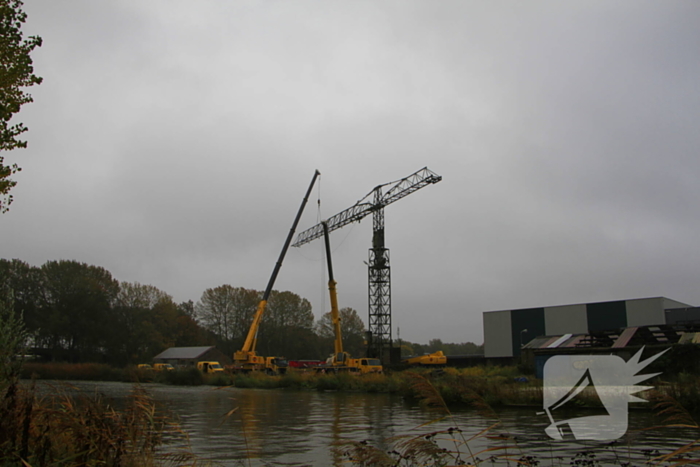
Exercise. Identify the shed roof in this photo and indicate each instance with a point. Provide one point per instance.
(183, 353)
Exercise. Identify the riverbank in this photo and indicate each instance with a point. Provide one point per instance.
(487, 386)
(493, 386)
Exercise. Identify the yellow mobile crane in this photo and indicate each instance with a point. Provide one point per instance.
(246, 359)
(435, 359)
(340, 360)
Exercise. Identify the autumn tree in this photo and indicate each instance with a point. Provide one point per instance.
(16, 73)
(227, 312)
(135, 295)
(351, 327)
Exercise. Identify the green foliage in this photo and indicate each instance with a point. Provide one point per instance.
(73, 371)
(79, 313)
(297, 380)
(286, 328)
(478, 386)
(218, 379)
(16, 73)
(337, 382)
(13, 337)
(256, 379)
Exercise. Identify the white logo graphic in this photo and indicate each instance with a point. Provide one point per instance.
(605, 382)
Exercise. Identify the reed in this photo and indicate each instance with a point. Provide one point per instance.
(293, 379)
(69, 428)
(450, 446)
(218, 379)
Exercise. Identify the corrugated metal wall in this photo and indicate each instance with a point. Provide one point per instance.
(503, 329)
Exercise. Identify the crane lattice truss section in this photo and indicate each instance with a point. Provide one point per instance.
(379, 271)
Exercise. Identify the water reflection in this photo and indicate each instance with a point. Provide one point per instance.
(299, 428)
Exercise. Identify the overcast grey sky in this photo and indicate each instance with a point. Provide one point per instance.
(172, 142)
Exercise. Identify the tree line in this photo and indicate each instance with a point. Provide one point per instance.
(78, 312)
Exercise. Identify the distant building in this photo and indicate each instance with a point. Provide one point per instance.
(507, 331)
(189, 356)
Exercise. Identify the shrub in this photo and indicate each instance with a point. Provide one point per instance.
(73, 371)
(218, 379)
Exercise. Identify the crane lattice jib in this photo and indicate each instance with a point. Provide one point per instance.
(357, 212)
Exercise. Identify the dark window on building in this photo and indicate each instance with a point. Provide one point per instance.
(526, 324)
(607, 315)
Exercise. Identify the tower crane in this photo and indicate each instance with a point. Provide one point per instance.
(379, 273)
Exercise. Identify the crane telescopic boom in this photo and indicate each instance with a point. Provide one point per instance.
(246, 358)
(340, 360)
(335, 314)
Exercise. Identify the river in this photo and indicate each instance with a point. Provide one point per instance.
(283, 427)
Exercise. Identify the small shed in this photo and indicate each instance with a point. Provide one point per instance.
(189, 356)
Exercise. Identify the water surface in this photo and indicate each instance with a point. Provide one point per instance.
(299, 428)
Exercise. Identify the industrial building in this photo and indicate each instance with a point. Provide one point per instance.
(507, 331)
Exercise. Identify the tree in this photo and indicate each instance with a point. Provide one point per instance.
(228, 312)
(187, 308)
(16, 73)
(351, 327)
(145, 321)
(13, 337)
(137, 295)
(26, 284)
(140, 322)
(286, 327)
(78, 302)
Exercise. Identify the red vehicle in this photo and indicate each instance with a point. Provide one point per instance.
(302, 364)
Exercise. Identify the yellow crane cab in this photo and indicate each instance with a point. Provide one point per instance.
(435, 359)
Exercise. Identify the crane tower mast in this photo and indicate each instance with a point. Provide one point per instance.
(379, 271)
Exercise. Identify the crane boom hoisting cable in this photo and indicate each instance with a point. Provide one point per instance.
(378, 267)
